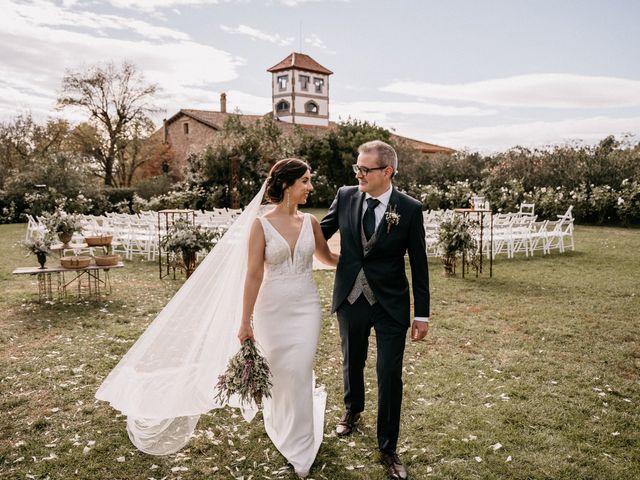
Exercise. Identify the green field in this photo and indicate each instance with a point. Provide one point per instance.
(542, 359)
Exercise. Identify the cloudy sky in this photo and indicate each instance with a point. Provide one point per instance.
(478, 74)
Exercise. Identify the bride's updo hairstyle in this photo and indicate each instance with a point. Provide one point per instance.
(282, 175)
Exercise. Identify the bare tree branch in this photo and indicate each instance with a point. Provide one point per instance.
(116, 100)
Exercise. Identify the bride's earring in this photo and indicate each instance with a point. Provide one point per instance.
(288, 199)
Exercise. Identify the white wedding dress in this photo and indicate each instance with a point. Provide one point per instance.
(287, 326)
(167, 378)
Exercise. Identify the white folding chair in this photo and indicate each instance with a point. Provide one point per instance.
(526, 209)
(120, 241)
(566, 229)
(34, 228)
(501, 234)
(538, 236)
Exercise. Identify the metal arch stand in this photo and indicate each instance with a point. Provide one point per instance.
(481, 213)
(165, 219)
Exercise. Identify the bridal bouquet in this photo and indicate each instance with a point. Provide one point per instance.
(247, 375)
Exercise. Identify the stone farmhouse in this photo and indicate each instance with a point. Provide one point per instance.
(299, 97)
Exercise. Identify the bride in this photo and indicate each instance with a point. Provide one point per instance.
(166, 380)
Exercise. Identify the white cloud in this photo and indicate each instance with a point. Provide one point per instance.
(256, 34)
(539, 90)
(153, 5)
(247, 103)
(42, 13)
(35, 56)
(384, 109)
(315, 41)
(538, 133)
(202, 99)
(295, 3)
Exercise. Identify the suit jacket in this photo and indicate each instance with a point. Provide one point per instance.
(384, 264)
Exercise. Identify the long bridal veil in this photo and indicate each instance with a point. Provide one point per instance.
(167, 379)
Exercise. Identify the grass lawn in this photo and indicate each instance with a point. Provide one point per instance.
(532, 374)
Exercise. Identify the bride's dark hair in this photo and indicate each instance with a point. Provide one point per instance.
(282, 175)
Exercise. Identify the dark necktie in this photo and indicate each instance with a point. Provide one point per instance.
(369, 219)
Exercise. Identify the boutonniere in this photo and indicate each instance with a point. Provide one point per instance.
(392, 217)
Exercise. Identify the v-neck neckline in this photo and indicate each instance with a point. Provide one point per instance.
(292, 251)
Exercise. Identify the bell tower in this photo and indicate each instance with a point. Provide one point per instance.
(300, 90)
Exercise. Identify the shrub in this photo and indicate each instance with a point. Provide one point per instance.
(120, 199)
(628, 203)
(154, 186)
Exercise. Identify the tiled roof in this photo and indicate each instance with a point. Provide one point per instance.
(425, 147)
(302, 62)
(216, 120)
(212, 119)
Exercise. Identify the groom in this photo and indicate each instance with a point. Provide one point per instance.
(378, 225)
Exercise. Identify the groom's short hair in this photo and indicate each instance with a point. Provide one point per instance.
(384, 152)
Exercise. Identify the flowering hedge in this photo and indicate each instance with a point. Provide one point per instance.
(591, 203)
(600, 181)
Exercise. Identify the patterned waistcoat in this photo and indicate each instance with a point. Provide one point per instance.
(361, 287)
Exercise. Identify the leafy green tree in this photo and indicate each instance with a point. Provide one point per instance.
(23, 140)
(332, 154)
(43, 168)
(249, 150)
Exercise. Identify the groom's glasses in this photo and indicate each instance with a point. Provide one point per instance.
(364, 171)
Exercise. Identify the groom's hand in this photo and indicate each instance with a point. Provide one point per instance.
(419, 330)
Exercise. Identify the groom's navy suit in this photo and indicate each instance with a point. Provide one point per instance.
(384, 268)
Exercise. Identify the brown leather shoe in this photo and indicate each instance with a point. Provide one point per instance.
(395, 468)
(347, 423)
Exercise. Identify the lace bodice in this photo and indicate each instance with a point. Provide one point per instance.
(278, 259)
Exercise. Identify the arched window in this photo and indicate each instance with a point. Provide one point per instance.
(282, 106)
(311, 107)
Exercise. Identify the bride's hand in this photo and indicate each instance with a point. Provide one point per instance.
(246, 332)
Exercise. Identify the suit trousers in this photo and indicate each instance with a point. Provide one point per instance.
(355, 321)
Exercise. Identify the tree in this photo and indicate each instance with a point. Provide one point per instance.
(239, 158)
(134, 153)
(40, 167)
(332, 154)
(23, 140)
(117, 101)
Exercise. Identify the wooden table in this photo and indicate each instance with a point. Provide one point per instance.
(61, 250)
(92, 280)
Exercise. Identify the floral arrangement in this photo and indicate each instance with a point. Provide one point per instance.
(455, 238)
(247, 375)
(38, 245)
(184, 236)
(61, 222)
(188, 239)
(392, 217)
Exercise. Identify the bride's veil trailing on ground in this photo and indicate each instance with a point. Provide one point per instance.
(167, 379)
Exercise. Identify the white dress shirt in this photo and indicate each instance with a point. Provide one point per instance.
(379, 213)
